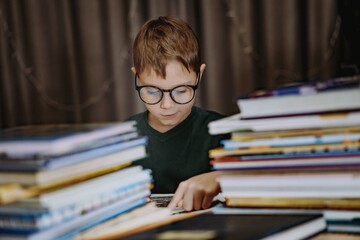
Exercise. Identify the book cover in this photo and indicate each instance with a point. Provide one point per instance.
(254, 226)
(57, 139)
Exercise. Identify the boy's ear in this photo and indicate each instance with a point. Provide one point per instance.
(202, 69)
(133, 70)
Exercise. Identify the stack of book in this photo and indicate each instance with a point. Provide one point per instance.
(58, 180)
(296, 147)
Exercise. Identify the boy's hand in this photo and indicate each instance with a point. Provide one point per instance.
(197, 192)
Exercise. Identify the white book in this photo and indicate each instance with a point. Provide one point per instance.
(48, 177)
(58, 138)
(83, 191)
(292, 104)
(315, 181)
(291, 193)
(235, 123)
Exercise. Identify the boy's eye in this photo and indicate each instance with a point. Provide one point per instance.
(181, 90)
(152, 91)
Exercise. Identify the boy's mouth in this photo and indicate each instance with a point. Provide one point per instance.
(168, 115)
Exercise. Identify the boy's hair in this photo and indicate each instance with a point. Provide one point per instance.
(162, 40)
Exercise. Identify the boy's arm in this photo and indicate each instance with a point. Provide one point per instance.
(197, 192)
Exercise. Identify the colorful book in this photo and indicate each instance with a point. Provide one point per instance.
(57, 139)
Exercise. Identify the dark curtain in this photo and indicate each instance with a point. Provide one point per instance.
(68, 61)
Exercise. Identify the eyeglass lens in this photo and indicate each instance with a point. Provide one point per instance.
(180, 94)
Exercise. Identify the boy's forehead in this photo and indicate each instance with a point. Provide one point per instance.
(174, 77)
(173, 69)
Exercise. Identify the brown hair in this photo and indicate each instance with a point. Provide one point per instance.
(162, 40)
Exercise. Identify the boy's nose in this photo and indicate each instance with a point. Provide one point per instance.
(166, 101)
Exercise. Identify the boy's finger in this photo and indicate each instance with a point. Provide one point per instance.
(207, 201)
(188, 202)
(178, 196)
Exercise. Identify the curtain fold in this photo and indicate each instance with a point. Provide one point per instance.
(69, 61)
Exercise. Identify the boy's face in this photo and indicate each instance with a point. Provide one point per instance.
(167, 114)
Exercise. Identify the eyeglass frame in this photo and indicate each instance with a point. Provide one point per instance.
(194, 87)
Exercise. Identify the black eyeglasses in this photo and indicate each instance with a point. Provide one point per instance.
(181, 94)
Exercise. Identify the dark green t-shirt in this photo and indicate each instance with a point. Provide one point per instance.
(181, 152)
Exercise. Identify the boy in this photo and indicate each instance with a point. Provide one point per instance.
(168, 70)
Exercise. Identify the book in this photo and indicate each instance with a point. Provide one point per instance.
(138, 220)
(331, 147)
(82, 191)
(295, 202)
(287, 162)
(70, 228)
(235, 123)
(254, 226)
(77, 170)
(12, 192)
(54, 208)
(291, 185)
(297, 104)
(303, 98)
(346, 221)
(58, 138)
(292, 141)
(249, 136)
(310, 87)
(125, 223)
(52, 162)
